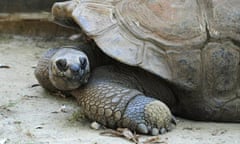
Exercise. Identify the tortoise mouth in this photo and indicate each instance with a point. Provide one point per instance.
(64, 82)
(81, 78)
(71, 78)
(78, 73)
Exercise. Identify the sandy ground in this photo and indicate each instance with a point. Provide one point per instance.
(31, 115)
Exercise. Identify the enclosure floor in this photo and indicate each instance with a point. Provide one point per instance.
(31, 115)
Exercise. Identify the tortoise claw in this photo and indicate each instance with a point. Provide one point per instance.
(174, 120)
(162, 131)
(142, 128)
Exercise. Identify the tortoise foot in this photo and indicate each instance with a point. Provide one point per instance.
(148, 116)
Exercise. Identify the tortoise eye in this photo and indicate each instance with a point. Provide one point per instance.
(83, 63)
(62, 64)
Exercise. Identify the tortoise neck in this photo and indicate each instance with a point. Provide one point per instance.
(95, 55)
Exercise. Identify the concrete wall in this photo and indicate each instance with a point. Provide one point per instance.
(11, 6)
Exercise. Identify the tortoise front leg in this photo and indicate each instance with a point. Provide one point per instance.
(114, 105)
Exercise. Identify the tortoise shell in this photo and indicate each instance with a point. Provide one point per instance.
(188, 42)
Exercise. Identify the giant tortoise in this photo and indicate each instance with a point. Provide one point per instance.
(182, 53)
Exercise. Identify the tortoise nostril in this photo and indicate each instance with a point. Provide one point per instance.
(83, 63)
(75, 68)
(62, 64)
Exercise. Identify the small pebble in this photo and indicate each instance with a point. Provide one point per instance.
(95, 125)
(4, 140)
(63, 109)
(163, 130)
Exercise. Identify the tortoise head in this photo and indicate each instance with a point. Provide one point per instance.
(69, 69)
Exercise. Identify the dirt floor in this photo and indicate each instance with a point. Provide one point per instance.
(31, 115)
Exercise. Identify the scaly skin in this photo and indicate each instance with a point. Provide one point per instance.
(114, 97)
(42, 70)
(113, 101)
